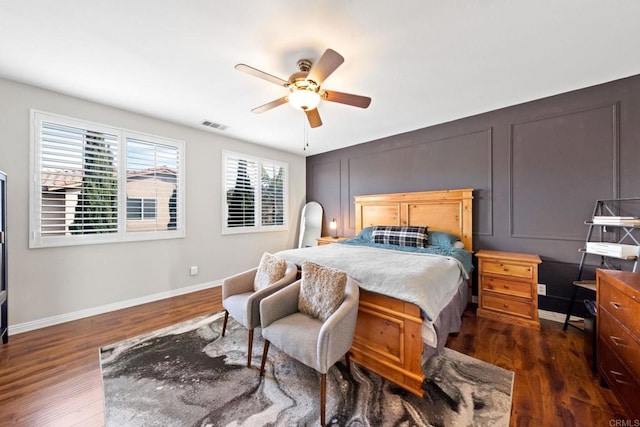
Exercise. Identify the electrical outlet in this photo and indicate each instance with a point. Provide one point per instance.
(194, 270)
(542, 289)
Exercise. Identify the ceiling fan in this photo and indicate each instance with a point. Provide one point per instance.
(305, 92)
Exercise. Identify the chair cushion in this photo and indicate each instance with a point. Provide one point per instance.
(296, 335)
(270, 270)
(321, 290)
(236, 305)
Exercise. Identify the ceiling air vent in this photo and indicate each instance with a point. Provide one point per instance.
(214, 125)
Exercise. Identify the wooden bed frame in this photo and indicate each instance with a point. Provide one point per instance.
(388, 336)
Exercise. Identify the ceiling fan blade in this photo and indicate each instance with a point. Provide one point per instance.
(347, 98)
(314, 118)
(327, 64)
(270, 105)
(261, 74)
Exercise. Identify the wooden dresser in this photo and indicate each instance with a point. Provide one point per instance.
(618, 327)
(508, 287)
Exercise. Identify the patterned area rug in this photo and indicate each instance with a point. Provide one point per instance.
(189, 375)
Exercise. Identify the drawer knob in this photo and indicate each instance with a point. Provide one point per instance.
(505, 305)
(506, 286)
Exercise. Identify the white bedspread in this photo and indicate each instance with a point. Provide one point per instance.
(427, 280)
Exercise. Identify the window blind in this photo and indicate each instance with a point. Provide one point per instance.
(273, 208)
(255, 194)
(240, 180)
(79, 180)
(152, 180)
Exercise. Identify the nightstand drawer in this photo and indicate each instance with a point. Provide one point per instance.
(507, 287)
(504, 268)
(507, 305)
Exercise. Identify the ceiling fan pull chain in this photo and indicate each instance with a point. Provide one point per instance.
(305, 133)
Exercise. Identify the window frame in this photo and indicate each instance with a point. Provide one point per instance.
(36, 240)
(258, 227)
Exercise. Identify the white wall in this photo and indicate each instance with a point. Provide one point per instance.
(48, 284)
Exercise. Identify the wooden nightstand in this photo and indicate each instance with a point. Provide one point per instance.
(508, 287)
(327, 240)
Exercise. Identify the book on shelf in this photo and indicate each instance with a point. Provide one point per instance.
(616, 220)
(612, 249)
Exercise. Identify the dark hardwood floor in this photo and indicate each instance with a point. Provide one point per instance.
(51, 376)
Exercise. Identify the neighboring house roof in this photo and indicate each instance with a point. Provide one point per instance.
(162, 171)
(62, 179)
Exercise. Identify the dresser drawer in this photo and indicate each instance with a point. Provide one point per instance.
(627, 348)
(507, 287)
(620, 305)
(619, 379)
(507, 305)
(505, 268)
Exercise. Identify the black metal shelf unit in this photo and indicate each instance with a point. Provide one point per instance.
(617, 224)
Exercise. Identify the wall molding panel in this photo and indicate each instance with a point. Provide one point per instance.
(539, 147)
(429, 165)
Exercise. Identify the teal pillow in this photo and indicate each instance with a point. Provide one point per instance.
(366, 234)
(441, 238)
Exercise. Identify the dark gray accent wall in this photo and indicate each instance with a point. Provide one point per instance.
(536, 170)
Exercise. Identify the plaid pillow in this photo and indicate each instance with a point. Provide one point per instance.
(400, 236)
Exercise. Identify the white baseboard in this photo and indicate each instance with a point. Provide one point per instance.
(556, 317)
(80, 314)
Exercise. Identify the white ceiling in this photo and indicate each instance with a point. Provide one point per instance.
(422, 62)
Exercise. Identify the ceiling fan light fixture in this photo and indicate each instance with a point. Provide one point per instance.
(304, 87)
(304, 99)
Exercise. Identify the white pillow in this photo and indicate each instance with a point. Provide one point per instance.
(321, 290)
(270, 270)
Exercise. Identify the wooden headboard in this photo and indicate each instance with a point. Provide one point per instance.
(446, 210)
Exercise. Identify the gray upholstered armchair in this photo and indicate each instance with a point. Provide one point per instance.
(242, 301)
(311, 341)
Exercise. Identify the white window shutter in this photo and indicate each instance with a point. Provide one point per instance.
(94, 184)
(254, 194)
(79, 181)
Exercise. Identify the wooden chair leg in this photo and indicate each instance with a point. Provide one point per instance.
(264, 357)
(224, 323)
(323, 398)
(250, 349)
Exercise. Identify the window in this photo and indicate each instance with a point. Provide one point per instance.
(139, 209)
(94, 183)
(254, 194)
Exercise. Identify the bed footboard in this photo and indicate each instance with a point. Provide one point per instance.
(388, 340)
